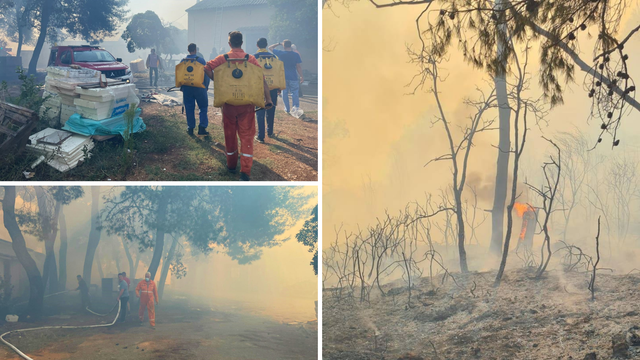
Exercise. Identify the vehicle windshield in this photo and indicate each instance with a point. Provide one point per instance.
(93, 56)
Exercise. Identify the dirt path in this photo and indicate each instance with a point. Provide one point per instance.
(553, 318)
(183, 331)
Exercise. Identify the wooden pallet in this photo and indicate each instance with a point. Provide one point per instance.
(16, 124)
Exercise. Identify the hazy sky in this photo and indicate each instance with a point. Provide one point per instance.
(377, 139)
(170, 11)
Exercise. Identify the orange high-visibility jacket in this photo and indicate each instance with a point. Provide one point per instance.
(147, 291)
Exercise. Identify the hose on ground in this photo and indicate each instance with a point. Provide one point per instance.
(24, 356)
(95, 313)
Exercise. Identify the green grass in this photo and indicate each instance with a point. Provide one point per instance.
(274, 149)
(165, 133)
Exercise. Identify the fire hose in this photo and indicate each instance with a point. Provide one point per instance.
(24, 356)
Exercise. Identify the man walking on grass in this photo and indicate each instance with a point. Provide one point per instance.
(292, 73)
(271, 113)
(238, 121)
(192, 95)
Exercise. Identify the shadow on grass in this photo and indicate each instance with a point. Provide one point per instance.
(259, 171)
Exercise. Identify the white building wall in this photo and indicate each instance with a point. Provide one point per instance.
(202, 25)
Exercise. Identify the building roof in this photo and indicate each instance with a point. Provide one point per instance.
(212, 4)
(6, 251)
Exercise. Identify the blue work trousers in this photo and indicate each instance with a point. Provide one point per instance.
(190, 96)
(292, 88)
(270, 115)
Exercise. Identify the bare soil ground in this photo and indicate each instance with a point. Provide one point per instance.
(551, 318)
(185, 329)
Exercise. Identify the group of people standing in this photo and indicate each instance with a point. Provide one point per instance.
(146, 291)
(239, 121)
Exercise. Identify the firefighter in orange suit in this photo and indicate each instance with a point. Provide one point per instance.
(238, 121)
(147, 292)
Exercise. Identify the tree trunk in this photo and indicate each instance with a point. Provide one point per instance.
(117, 258)
(36, 286)
(165, 267)
(135, 267)
(94, 234)
(49, 224)
(127, 252)
(20, 40)
(50, 270)
(47, 9)
(99, 265)
(62, 257)
(461, 251)
(159, 243)
(504, 146)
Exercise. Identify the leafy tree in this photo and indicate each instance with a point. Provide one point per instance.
(237, 221)
(176, 42)
(5, 4)
(19, 22)
(19, 245)
(40, 219)
(308, 236)
(296, 20)
(145, 31)
(92, 21)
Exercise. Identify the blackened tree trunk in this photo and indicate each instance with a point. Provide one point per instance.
(62, 255)
(94, 234)
(36, 286)
(461, 251)
(45, 19)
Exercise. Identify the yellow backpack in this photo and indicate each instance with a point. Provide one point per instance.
(190, 72)
(273, 69)
(238, 83)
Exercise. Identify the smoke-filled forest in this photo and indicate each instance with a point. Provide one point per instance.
(158, 272)
(495, 214)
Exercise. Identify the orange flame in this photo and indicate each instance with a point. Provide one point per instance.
(523, 232)
(522, 208)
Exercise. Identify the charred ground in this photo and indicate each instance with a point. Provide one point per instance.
(550, 318)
